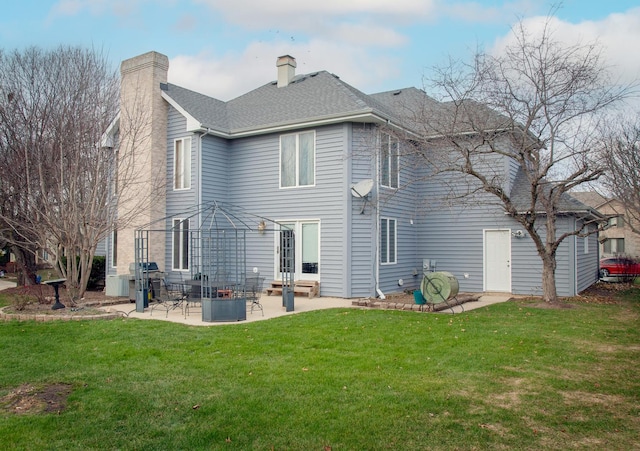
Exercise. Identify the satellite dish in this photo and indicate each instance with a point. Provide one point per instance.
(362, 188)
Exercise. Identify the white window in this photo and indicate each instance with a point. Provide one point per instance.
(388, 241)
(297, 160)
(617, 221)
(614, 246)
(180, 244)
(182, 163)
(586, 244)
(389, 161)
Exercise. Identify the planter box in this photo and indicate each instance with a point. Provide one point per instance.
(214, 310)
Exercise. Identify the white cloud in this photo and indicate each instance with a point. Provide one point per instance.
(477, 12)
(618, 34)
(368, 35)
(228, 76)
(362, 22)
(288, 13)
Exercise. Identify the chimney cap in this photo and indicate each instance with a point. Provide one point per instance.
(286, 59)
(146, 60)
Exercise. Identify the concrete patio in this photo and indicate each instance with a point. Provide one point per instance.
(272, 308)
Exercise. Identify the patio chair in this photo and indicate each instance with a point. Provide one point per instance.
(253, 291)
(167, 296)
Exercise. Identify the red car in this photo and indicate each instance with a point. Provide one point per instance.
(619, 267)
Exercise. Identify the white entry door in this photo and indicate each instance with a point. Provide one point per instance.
(307, 249)
(497, 260)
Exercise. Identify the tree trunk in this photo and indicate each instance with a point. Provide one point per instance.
(25, 265)
(86, 263)
(72, 274)
(549, 279)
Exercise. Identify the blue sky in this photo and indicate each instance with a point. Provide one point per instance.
(225, 48)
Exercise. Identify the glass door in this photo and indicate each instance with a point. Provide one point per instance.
(307, 249)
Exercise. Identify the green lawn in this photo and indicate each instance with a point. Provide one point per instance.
(508, 376)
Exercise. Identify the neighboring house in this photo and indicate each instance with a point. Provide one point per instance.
(291, 150)
(617, 238)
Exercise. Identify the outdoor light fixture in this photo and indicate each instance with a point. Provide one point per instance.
(261, 227)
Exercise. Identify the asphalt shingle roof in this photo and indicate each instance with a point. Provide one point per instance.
(590, 198)
(309, 97)
(521, 198)
(320, 96)
(208, 111)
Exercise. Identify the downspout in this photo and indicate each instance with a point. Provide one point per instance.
(376, 226)
(377, 238)
(574, 274)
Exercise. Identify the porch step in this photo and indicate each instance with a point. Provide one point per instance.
(310, 288)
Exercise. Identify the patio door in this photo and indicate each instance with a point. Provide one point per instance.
(307, 249)
(497, 260)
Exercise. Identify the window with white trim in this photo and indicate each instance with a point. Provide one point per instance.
(616, 221)
(389, 161)
(613, 246)
(298, 160)
(182, 163)
(180, 229)
(388, 241)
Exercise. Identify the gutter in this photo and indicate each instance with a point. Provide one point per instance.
(594, 214)
(294, 126)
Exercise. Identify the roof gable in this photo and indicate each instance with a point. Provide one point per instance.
(206, 111)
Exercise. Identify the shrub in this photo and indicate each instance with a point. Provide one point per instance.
(96, 278)
(20, 302)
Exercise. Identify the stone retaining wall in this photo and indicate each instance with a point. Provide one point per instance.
(41, 317)
(413, 307)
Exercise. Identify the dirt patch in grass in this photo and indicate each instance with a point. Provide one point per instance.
(585, 398)
(598, 293)
(29, 399)
(548, 305)
(45, 309)
(38, 300)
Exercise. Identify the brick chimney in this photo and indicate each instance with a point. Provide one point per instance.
(143, 143)
(286, 65)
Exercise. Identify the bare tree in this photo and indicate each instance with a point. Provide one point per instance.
(535, 105)
(59, 193)
(621, 153)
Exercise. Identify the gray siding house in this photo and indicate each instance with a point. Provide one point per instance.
(291, 151)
